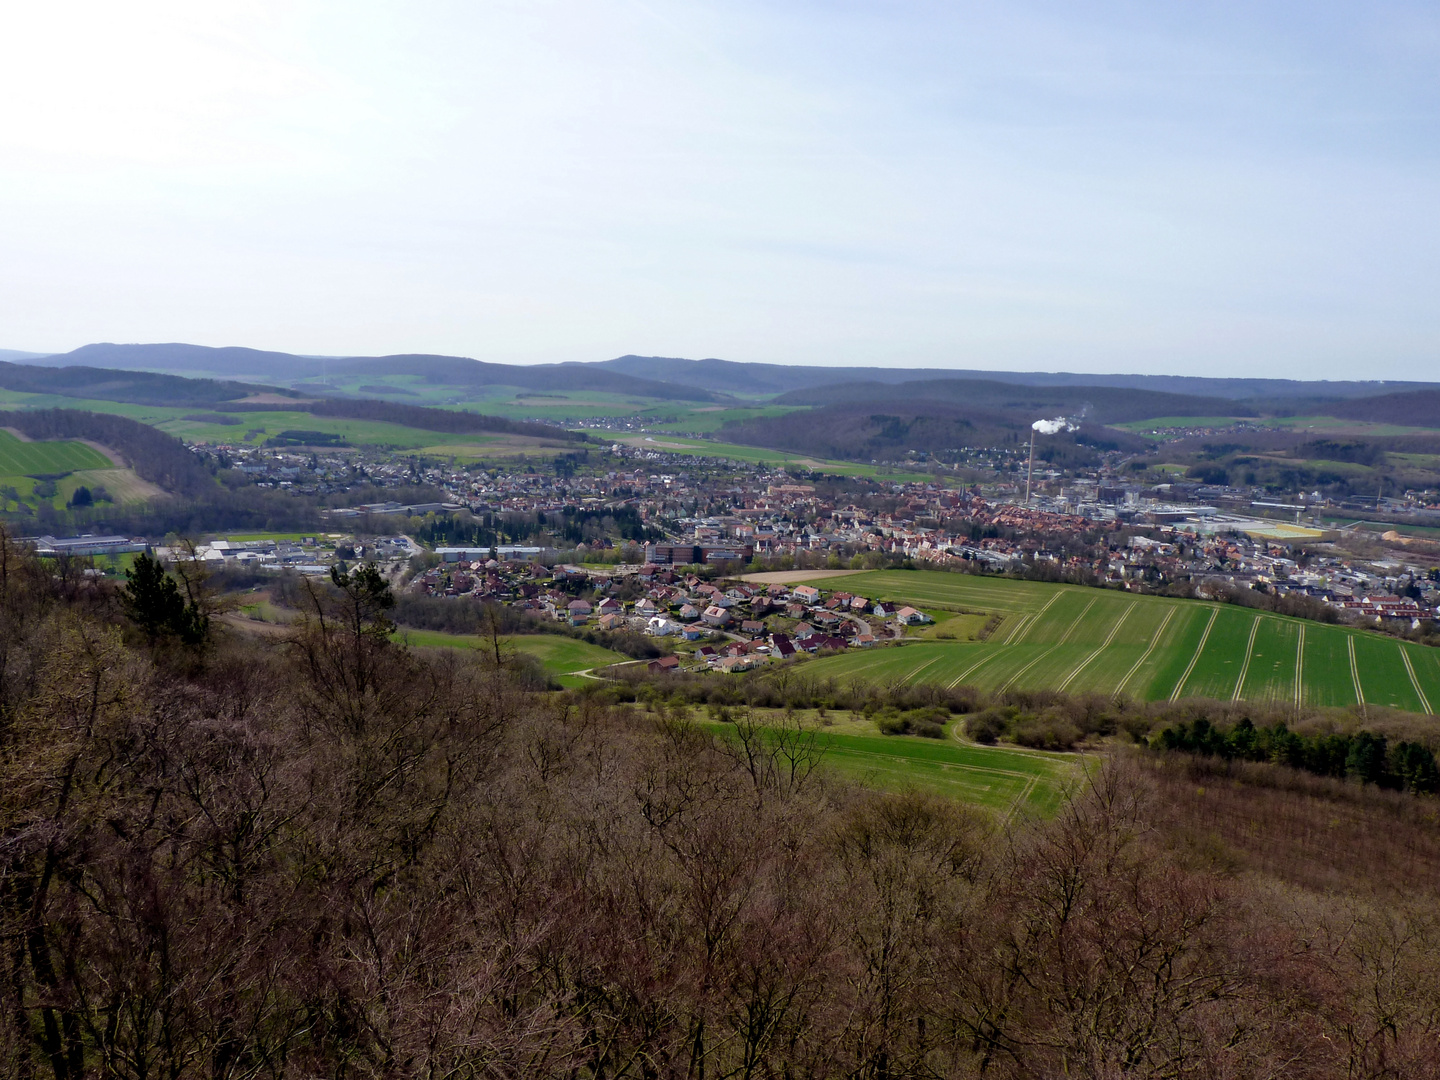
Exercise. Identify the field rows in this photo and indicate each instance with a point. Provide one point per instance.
(1099, 641)
(19, 458)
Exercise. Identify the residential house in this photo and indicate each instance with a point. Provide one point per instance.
(732, 664)
(781, 646)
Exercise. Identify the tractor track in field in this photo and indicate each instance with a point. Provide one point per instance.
(1154, 644)
(1095, 655)
(1022, 627)
(1249, 652)
(1410, 670)
(1300, 668)
(1355, 673)
(1175, 694)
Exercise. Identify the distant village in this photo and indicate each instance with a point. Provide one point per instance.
(555, 547)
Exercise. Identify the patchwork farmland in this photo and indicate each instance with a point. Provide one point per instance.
(1082, 640)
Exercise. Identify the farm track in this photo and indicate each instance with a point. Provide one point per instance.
(1175, 694)
(1410, 670)
(1300, 668)
(1150, 651)
(1245, 668)
(1096, 654)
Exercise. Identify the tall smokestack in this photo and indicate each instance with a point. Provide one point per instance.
(1030, 469)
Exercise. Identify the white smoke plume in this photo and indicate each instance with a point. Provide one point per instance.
(1054, 427)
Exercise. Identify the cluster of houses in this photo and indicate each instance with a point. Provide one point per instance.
(737, 624)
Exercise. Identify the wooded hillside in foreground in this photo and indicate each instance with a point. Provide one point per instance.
(325, 855)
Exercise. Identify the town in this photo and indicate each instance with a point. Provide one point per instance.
(651, 542)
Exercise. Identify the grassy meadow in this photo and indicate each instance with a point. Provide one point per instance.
(562, 657)
(1078, 640)
(1005, 780)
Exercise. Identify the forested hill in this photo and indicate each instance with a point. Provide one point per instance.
(1417, 408)
(452, 421)
(319, 853)
(886, 430)
(134, 387)
(155, 456)
(1103, 404)
(732, 377)
(674, 378)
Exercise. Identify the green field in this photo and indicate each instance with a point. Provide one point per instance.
(1005, 780)
(560, 656)
(19, 458)
(1079, 640)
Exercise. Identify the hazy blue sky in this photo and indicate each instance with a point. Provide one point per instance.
(1189, 188)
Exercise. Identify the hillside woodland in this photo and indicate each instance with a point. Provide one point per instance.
(452, 421)
(136, 387)
(1103, 404)
(889, 429)
(322, 854)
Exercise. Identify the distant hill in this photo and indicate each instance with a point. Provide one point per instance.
(18, 356)
(135, 387)
(1103, 404)
(1415, 408)
(732, 377)
(458, 371)
(231, 362)
(671, 378)
(887, 430)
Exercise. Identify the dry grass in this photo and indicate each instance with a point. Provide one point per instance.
(124, 485)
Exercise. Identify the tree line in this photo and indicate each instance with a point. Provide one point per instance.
(450, 421)
(1360, 755)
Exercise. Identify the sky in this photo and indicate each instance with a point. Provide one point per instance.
(1205, 189)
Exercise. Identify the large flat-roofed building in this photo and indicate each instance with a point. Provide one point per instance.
(85, 545)
(693, 554)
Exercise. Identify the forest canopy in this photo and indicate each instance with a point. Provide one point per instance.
(319, 853)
